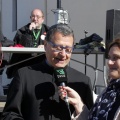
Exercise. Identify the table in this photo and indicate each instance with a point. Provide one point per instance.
(22, 50)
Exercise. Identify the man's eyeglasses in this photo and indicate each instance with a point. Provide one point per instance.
(37, 16)
(59, 48)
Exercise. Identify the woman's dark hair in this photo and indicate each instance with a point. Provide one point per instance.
(114, 42)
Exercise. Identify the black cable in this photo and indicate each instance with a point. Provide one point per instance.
(21, 61)
(87, 65)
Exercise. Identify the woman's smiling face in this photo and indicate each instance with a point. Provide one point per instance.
(114, 62)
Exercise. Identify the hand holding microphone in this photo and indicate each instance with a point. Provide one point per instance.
(63, 93)
(66, 93)
(32, 26)
(73, 98)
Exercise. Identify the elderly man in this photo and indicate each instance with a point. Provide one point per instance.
(30, 34)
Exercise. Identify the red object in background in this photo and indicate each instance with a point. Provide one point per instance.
(18, 45)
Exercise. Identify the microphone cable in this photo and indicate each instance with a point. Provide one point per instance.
(8, 66)
(60, 75)
(66, 101)
(68, 106)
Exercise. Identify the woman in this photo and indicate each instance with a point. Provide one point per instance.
(107, 106)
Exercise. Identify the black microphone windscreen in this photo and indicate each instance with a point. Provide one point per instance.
(60, 75)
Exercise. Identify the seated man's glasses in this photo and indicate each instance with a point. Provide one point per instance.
(59, 48)
(38, 17)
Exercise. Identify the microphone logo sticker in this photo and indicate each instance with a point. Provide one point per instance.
(61, 73)
(60, 76)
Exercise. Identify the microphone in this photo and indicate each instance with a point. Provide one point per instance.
(32, 28)
(60, 75)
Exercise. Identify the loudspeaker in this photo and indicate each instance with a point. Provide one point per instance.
(112, 26)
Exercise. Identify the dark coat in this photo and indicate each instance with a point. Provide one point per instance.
(25, 37)
(33, 94)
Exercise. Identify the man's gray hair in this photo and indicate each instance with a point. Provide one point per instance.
(64, 29)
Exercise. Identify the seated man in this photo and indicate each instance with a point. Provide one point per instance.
(30, 35)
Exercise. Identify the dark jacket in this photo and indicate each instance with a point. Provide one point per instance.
(33, 94)
(25, 37)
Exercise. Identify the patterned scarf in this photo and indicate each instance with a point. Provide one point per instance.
(108, 103)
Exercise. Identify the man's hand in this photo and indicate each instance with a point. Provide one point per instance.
(32, 26)
(40, 46)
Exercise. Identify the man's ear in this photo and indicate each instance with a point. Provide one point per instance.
(42, 20)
